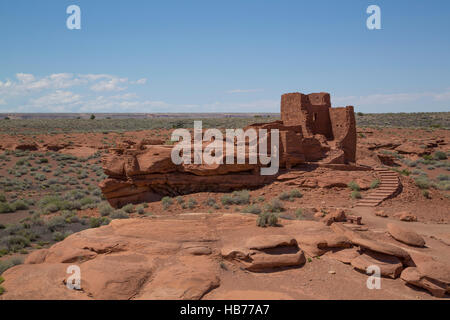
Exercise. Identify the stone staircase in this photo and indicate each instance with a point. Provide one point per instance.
(389, 187)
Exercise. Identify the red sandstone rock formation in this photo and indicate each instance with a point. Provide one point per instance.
(309, 131)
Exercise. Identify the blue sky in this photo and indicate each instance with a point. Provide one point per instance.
(222, 56)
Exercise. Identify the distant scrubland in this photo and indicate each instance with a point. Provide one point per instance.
(431, 120)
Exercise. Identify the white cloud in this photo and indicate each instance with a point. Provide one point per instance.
(112, 84)
(125, 96)
(25, 77)
(58, 97)
(2, 101)
(26, 84)
(140, 81)
(386, 99)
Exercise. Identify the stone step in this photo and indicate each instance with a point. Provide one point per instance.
(370, 201)
(376, 198)
(389, 184)
(368, 204)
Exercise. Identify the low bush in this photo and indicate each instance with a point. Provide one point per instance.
(237, 197)
(6, 264)
(290, 196)
(105, 209)
(129, 208)
(356, 195)
(274, 206)
(192, 203)
(140, 209)
(6, 208)
(422, 182)
(254, 209)
(267, 219)
(166, 202)
(439, 155)
(354, 186)
(14, 242)
(96, 222)
(284, 196)
(119, 214)
(210, 202)
(179, 199)
(55, 223)
(375, 184)
(296, 194)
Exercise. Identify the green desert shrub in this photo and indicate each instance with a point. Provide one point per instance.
(129, 208)
(119, 214)
(354, 186)
(439, 155)
(166, 202)
(295, 194)
(179, 200)
(237, 197)
(210, 202)
(253, 208)
(14, 242)
(56, 222)
(290, 196)
(6, 264)
(96, 222)
(404, 172)
(375, 184)
(105, 209)
(355, 195)
(20, 205)
(299, 213)
(6, 207)
(284, 196)
(267, 219)
(2, 197)
(274, 206)
(140, 209)
(192, 203)
(58, 236)
(422, 182)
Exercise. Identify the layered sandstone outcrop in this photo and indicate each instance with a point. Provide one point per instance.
(310, 130)
(215, 256)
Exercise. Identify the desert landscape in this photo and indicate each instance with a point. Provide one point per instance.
(353, 190)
